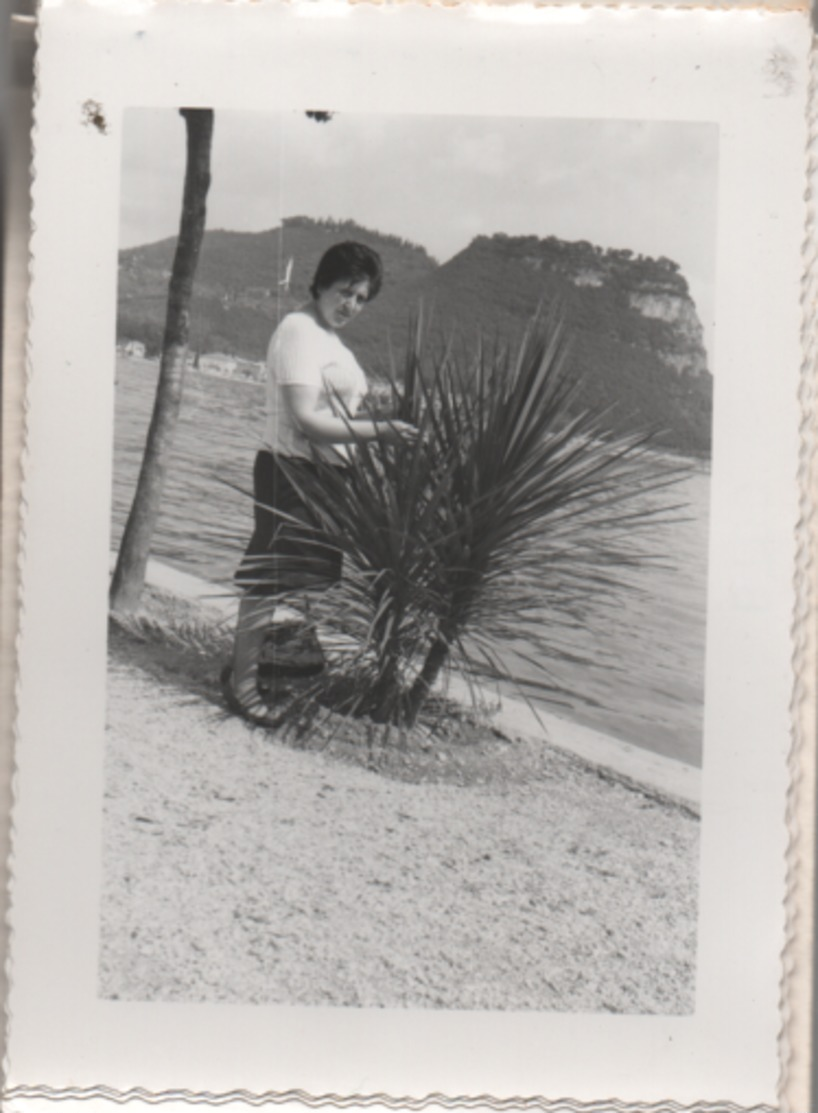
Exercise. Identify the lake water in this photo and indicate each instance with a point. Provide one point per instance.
(646, 680)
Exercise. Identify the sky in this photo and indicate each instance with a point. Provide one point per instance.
(439, 181)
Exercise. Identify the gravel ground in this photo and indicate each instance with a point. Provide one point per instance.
(241, 869)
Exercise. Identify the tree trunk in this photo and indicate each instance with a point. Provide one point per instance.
(439, 652)
(425, 680)
(129, 575)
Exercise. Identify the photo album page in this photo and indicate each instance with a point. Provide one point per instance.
(415, 654)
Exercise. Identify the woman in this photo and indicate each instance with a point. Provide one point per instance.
(314, 383)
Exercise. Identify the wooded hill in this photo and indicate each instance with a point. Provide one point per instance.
(637, 340)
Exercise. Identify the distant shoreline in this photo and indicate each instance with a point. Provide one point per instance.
(691, 457)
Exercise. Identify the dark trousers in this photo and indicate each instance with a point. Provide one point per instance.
(284, 556)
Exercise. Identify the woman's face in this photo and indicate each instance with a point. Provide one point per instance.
(341, 302)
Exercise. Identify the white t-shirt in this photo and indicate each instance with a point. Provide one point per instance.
(303, 353)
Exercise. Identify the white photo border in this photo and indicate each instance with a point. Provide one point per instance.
(572, 62)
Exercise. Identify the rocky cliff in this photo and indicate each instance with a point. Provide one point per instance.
(637, 338)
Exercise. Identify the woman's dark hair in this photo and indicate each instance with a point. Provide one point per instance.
(348, 261)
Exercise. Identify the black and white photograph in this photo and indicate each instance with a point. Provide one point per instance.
(457, 369)
(410, 680)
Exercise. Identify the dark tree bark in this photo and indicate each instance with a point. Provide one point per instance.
(129, 575)
(436, 658)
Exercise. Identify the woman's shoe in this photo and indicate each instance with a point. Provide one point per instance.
(264, 716)
(228, 695)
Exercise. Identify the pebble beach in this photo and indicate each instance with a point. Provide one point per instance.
(241, 868)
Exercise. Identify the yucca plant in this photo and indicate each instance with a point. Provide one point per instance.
(511, 505)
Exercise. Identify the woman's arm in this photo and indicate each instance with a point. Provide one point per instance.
(323, 427)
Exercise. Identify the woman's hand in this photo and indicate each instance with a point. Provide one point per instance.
(323, 427)
(398, 432)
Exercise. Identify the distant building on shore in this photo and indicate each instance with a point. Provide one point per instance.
(135, 349)
(217, 363)
(230, 367)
